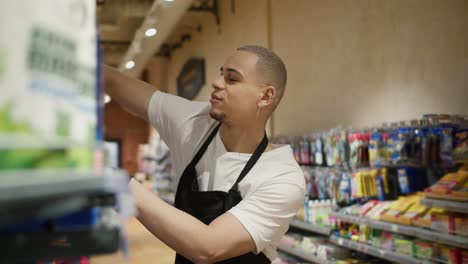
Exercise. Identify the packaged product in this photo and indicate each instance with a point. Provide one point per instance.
(376, 238)
(461, 193)
(448, 183)
(425, 219)
(364, 232)
(320, 158)
(426, 145)
(387, 241)
(446, 147)
(48, 84)
(376, 212)
(411, 179)
(382, 184)
(376, 144)
(312, 149)
(352, 210)
(331, 148)
(424, 250)
(398, 208)
(353, 146)
(464, 256)
(412, 213)
(344, 193)
(363, 150)
(404, 246)
(443, 222)
(461, 225)
(401, 145)
(343, 148)
(449, 255)
(367, 206)
(304, 151)
(460, 149)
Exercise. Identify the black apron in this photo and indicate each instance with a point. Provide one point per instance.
(207, 206)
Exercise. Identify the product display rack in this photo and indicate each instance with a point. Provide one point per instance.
(40, 196)
(454, 206)
(418, 232)
(59, 244)
(376, 252)
(300, 254)
(310, 228)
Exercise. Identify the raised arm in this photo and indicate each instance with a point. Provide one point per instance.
(132, 94)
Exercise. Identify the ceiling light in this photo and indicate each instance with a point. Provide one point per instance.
(169, 0)
(107, 98)
(151, 32)
(129, 64)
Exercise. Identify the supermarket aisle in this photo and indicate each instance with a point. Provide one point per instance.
(144, 248)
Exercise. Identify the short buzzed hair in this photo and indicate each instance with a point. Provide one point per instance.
(272, 67)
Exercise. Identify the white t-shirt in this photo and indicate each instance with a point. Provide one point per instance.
(272, 191)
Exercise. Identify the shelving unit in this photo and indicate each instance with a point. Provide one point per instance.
(299, 254)
(310, 228)
(376, 252)
(46, 195)
(430, 235)
(454, 206)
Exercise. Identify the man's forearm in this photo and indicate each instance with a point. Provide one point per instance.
(179, 230)
(132, 94)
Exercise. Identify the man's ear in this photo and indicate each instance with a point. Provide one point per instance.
(268, 96)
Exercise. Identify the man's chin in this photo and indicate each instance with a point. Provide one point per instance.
(217, 116)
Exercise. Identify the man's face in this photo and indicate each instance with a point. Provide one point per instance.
(237, 90)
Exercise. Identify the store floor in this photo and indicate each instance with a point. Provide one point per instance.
(144, 248)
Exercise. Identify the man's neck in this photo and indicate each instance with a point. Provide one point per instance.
(242, 139)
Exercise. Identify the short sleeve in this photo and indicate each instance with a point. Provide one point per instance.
(266, 213)
(181, 124)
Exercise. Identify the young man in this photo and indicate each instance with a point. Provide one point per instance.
(236, 192)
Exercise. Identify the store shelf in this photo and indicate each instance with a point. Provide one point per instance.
(461, 207)
(430, 235)
(62, 244)
(376, 252)
(47, 194)
(299, 254)
(30, 185)
(310, 228)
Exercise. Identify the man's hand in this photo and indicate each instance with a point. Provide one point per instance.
(132, 94)
(224, 238)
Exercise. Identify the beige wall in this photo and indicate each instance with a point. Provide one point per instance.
(247, 25)
(350, 62)
(360, 62)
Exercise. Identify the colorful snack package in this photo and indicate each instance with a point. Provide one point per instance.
(461, 225)
(424, 220)
(425, 250)
(449, 255)
(376, 211)
(398, 208)
(444, 222)
(412, 213)
(404, 246)
(448, 183)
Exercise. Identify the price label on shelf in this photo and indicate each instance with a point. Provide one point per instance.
(340, 241)
(394, 228)
(382, 252)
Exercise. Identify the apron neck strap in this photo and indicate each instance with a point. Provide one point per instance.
(205, 145)
(253, 159)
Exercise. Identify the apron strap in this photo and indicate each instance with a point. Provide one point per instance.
(203, 148)
(253, 159)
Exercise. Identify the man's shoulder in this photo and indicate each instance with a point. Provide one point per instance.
(282, 167)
